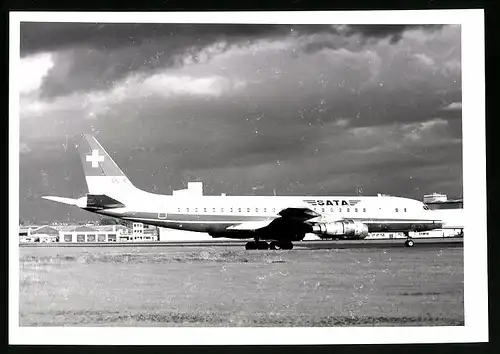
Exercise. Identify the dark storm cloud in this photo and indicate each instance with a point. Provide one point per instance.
(393, 32)
(36, 37)
(95, 55)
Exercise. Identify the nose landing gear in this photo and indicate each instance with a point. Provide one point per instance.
(409, 241)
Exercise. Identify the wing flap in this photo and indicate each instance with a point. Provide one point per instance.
(250, 225)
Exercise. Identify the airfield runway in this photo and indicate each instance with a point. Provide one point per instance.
(225, 285)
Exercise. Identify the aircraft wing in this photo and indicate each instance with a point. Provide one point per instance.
(286, 215)
(298, 214)
(250, 225)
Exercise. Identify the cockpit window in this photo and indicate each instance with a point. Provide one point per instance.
(426, 207)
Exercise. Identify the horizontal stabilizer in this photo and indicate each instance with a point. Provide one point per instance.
(69, 201)
(102, 201)
(250, 225)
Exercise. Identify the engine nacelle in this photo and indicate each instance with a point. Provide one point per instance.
(345, 228)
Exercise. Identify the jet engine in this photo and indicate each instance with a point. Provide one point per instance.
(344, 229)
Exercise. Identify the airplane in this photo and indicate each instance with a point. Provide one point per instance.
(281, 220)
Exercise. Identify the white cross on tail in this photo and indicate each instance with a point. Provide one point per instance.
(95, 158)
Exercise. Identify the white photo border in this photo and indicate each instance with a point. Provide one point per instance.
(474, 192)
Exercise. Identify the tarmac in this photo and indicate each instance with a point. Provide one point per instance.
(214, 284)
(309, 244)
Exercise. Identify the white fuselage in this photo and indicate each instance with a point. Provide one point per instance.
(218, 213)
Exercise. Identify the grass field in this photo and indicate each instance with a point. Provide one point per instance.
(228, 286)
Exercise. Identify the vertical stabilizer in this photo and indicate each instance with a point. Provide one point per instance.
(102, 174)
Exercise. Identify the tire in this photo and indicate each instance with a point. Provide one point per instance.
(409, 243)
(274, 245)
(261, 245)
(250, 246)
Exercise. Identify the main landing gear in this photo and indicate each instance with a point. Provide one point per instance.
(256, 245)
(274, 245)
(284, 245)
(409, 242)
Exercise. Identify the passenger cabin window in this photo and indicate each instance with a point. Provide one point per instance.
(204, 210)
(256, 210)
(322, 210)
(221, 210)
(331, 210)
(274, 210)
(187, 210)
(397, 210)
(340, 210)
(348, 210)
(248, 210)
(239, 210)
(213, 210)
(404, 210)
(356, 210)
(265, 210)
(195, 210)
(178, 210)
(364, 210)
(231, 210)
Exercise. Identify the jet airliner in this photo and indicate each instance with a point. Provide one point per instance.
(281, 220)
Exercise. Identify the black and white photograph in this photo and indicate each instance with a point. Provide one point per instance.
(308, 174)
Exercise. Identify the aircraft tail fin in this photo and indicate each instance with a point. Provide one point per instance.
(102, 174)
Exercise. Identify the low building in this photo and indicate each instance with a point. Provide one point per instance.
(140, 233)
(25, 234)
(438, 201)
(82, 234)
(435, 198)
(424, 234)
(45, 234)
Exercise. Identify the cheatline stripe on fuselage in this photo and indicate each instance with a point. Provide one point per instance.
(231, 219)
(190, 221)
(199, 217)
(269, 219)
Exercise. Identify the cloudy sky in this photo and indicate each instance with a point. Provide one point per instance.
(246, 109)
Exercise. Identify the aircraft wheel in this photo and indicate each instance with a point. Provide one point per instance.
(261, 245)
(251, 246)
(286, 245)
(409, 243)
(274, 245)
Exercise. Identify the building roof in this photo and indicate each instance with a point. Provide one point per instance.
(46, 230)
(69, 228)
(448, 201)
(84, 228)
(110, 227)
